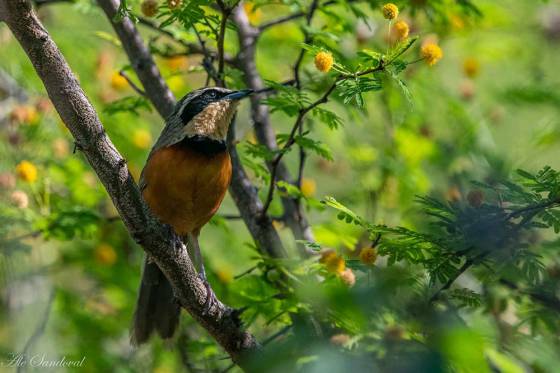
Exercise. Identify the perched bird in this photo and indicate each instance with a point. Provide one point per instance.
(184, 182)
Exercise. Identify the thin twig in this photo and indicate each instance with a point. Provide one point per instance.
(137, 89)
(207, 61)
(299, 120)
(532, 208)
(468, 263)
(39, 330)
(272, 89)
(221, 39)
(276, 335)
(290, 17)
(245, 272)
(307, 39)
(191, 48)
(546, 300)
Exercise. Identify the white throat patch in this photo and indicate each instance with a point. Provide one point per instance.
(213, 121)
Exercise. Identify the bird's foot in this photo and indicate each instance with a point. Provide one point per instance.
(210, 295)
(176, 240)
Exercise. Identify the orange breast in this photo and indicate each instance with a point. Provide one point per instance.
(184, 188)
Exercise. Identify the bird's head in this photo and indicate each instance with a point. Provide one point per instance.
(209, 111)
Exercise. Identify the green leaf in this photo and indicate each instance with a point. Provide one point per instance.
(259, 151)
(328, 117)
(289, 189)
(353, 88)
(401, 48)
(316, 147)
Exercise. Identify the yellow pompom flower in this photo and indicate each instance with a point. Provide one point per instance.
(390, 11)
(471, 67)
(177, 63)
(324, 61)
(254, 14)
(368, 255)
(340, 339)
(19, 199)
(432, 53)
(333, 262)
(224, 275)
(105, 254)
(348, 277)
(26, 171)
(25, 114)
(118, 81)
(401, 29)
(308, 187)
(176, 83)
(149, 7)
(142, 139)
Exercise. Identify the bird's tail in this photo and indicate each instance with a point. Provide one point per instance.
(156, 308)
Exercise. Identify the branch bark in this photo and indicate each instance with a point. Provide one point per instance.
(157, 240)
(248, 36)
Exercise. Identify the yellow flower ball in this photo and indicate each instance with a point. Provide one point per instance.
(333, 262)
(149, 7)
(105, 254)
(324, 61)
(177, 63)
(390, 11)
(20, 199)
(118, 82)
(224, 275)
(142, 139)
(348, 277)
(340, 339)
(432, 53)
(326, 255)
(368, 255)
(60, 148)
(26, 171)
(254, 15)
(457, 23)
(25, 114)
(475, 198)
(174, 4)
(453, 194)
(176, 83)
(471, 67)
(308, 187)
(401, 30)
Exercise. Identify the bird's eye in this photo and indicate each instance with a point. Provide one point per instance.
(212, 94)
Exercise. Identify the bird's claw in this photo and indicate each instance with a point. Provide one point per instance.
(175, 240)
(210, 295)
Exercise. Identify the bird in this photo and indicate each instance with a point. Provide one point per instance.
(184, 181)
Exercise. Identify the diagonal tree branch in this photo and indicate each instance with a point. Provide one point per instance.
(157, 240)
(248, 36)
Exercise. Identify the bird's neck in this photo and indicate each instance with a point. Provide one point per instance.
(213, 122)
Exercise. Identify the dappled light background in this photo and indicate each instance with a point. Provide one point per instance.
(69, 271)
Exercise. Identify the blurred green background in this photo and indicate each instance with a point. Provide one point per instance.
(69, 272)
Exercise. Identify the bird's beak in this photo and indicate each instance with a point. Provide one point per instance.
(238, 95)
